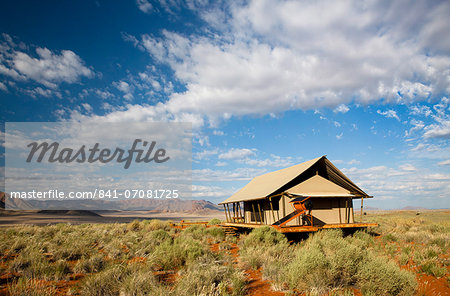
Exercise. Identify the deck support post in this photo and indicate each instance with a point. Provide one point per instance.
(234, 213)
(353, 210)
(260, 215)
(271, 208)
(362, 200)
(254, 211)
(346, 210)
(226, 215)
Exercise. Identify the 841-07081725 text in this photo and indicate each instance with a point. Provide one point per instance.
(98, 194)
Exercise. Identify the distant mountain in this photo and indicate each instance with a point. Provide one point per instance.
(372, 209)
(13, 203)
(68, 213)
(83, 207)
(410, 208)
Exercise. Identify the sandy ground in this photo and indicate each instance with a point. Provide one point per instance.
(8, 218)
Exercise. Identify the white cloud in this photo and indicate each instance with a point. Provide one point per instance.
(385, 183)
(407, 167)
(441, 130)
(354, 161)
(417, 125)
(144, 6)
(273, 56)
(45, 67)
(444, 162)
(122, 86)
(339, 136)
(239, 174)
(420, 110)
(221, 164)
(236, 153)
(205, 154)
(126, 88)
(273, 161)
(389, 114)
(3, 86)
(39, 91)
(87, 107)
(218, 133)
(342, 108)
(201, 191)
(103, 94)
(294, 42)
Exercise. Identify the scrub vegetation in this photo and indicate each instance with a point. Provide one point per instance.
(406, 255)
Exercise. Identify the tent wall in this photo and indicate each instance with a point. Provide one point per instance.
(325, 211)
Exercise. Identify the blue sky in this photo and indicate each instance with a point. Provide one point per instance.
(266, 84)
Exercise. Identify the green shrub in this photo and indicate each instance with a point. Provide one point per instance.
(217, 233)
(264, 236)
(106, 282)
(214, 221)
(403, 259)
(212, 277)
(196, 231)
(363, 239)
(154, 224)
(390, 237)
(60, 269)
(170, 255)
(379, 276)
(134, 226)
(141, 281)
(32, 264)
(159, 236)
(432, 267)
(89, 265)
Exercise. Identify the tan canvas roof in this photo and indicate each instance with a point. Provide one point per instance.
(319, 186)
(262, 186)
(265, 185)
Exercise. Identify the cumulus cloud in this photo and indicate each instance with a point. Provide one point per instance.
(342, 108)
(205, 154)
(45, 67)
(407, 167)
(441, 130)
(41, 92)
(354, 161)
(272, 56)
(386, 183)
(236, 153)
(239, 174)
(144, 6)
(274, 161)
(389, 114)
(3, 86)
(444, 162)
(441, 116)
(420, 110)
(125, 88)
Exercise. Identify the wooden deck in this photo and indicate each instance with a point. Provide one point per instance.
(292, 229)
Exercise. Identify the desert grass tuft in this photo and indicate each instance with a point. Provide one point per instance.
(214, 221)
(30, 287)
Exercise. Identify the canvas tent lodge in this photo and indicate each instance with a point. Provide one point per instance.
(302, 198)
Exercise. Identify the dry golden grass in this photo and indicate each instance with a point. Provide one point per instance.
(128, 259)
